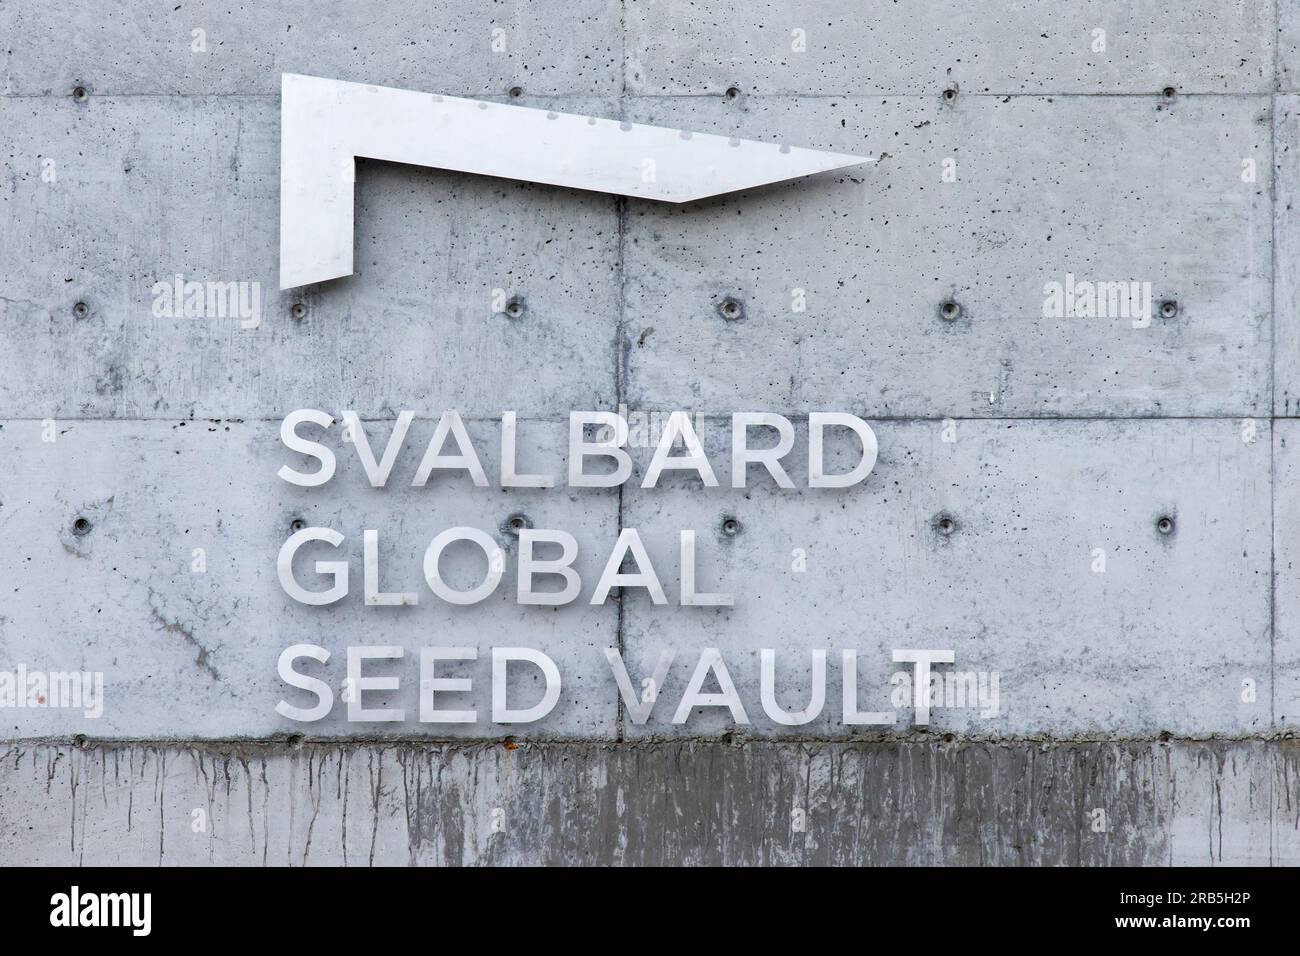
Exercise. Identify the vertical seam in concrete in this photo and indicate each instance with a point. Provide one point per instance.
(1274, 102)
(620, 360)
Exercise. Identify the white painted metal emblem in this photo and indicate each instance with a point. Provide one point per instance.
(325, 124)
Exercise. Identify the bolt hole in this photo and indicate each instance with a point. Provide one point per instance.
(81, 742)
(1169, 92)
(299, 310)
(516, 92)
(949, 738)
(731, 309)
(81, 310)
(950, 311)
(295, 741)
(949, 95)
(517, 523)
(515, 308)
(81, 526)
(79, 93)
(1165, 736)
(1168, 309)
(730, 527)
(945, 524)
(732, 92)
(1165, 524)
(297, 524)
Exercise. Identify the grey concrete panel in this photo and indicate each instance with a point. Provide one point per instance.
(1286, 580)
(1286, 345)
(146, 189)
(1288, 47)
(1101, 189)
(877, 46)
(192, 654)
(450, 46)
(1053, 574)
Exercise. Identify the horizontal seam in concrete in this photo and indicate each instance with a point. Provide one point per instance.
(716, 416)
(913, 94)
(614, 95)
(294, 741)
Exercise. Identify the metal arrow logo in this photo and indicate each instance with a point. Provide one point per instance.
(325, 124)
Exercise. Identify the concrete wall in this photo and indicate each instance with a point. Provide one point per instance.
(1161, 691)
(668, 803)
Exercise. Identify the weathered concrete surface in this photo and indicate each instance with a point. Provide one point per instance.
(451, 45)
(879, 46)
(1055, 575)
(190, 186)
(189, 653)
(1286, 289)
(1128, 188)
(196, 189)
(673, 47)
(1288, 47)
(1151, 633)
(684, 803)
(1286, 550)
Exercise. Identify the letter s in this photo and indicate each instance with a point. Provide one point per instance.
(324, 695)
